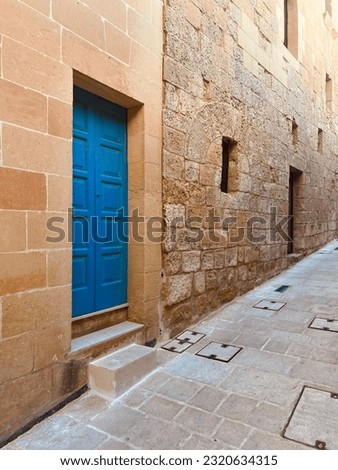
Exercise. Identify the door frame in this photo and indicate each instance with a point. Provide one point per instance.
(144, 141)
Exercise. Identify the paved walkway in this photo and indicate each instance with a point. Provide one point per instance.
(191, 402)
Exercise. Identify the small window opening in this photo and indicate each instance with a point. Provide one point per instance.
(320, 140)
(294, 132)
(329, 92)
(206, 89)
(228, 161)
(286, 22)
(328, 6)
(291, 26)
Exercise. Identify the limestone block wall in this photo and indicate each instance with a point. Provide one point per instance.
(228, 75)
(113, 49)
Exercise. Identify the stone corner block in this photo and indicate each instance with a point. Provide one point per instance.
(114, 374)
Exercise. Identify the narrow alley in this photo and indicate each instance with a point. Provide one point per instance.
(275, 388)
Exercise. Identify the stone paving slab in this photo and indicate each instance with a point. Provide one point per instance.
(86, 407)
(161, 407)
(271, 442)
(202, 443)
(198, 369)
(270, 362)
(263, 386)
(316, 372)
(117, 420)
(267, 417)
(198, 421)
(276, 346)
(152, 433)
(237, 407)
(191, 402)
(208, 398)
(61, 433)
(180, 389)
(232, 432)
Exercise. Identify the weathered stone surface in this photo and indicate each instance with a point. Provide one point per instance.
(161, 408)
(199, 282)
(263, 386)
(191, 261)
(224, 83)
(191, 419)
(81, 437)
(179, 288)
(115, 53)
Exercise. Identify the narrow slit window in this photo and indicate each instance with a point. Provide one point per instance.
(294, 132)
(291, 26)
(227, 160)
(206, 89)
(328, 91)
(286, 22)
(320, 140)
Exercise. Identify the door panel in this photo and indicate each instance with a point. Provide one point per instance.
(99, 193)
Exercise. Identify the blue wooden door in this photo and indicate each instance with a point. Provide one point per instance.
(100, 196)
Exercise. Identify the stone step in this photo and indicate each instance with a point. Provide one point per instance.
(86, 324)
(114, 374)
(102, 341)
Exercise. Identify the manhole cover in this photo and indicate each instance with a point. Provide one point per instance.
(325, 324)
(270, 305)
(177, 346)
(219, 352)
(282, 289)
(315, 420)
(190, 336)
(183, 341)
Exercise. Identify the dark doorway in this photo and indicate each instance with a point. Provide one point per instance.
(294, 180)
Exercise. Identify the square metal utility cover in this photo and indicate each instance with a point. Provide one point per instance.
(183, 341)
(325, 324)
(270, 305)
(177, 346)
(314, 421)
(190, 336)
(219, 352)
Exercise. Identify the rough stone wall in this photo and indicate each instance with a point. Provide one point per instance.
(228, 74)
(112, 48)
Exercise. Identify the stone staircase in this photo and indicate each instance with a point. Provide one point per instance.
(114, 356)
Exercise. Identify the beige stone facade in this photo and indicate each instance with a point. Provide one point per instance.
(228, 77)
(114, 50)
(222, 118)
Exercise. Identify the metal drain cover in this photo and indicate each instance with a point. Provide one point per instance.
(219, 352)
(270, 305)
(282, 288)
(315, 420)
(177, 346)
(183, 341)
(190, 336)
(325, 324)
